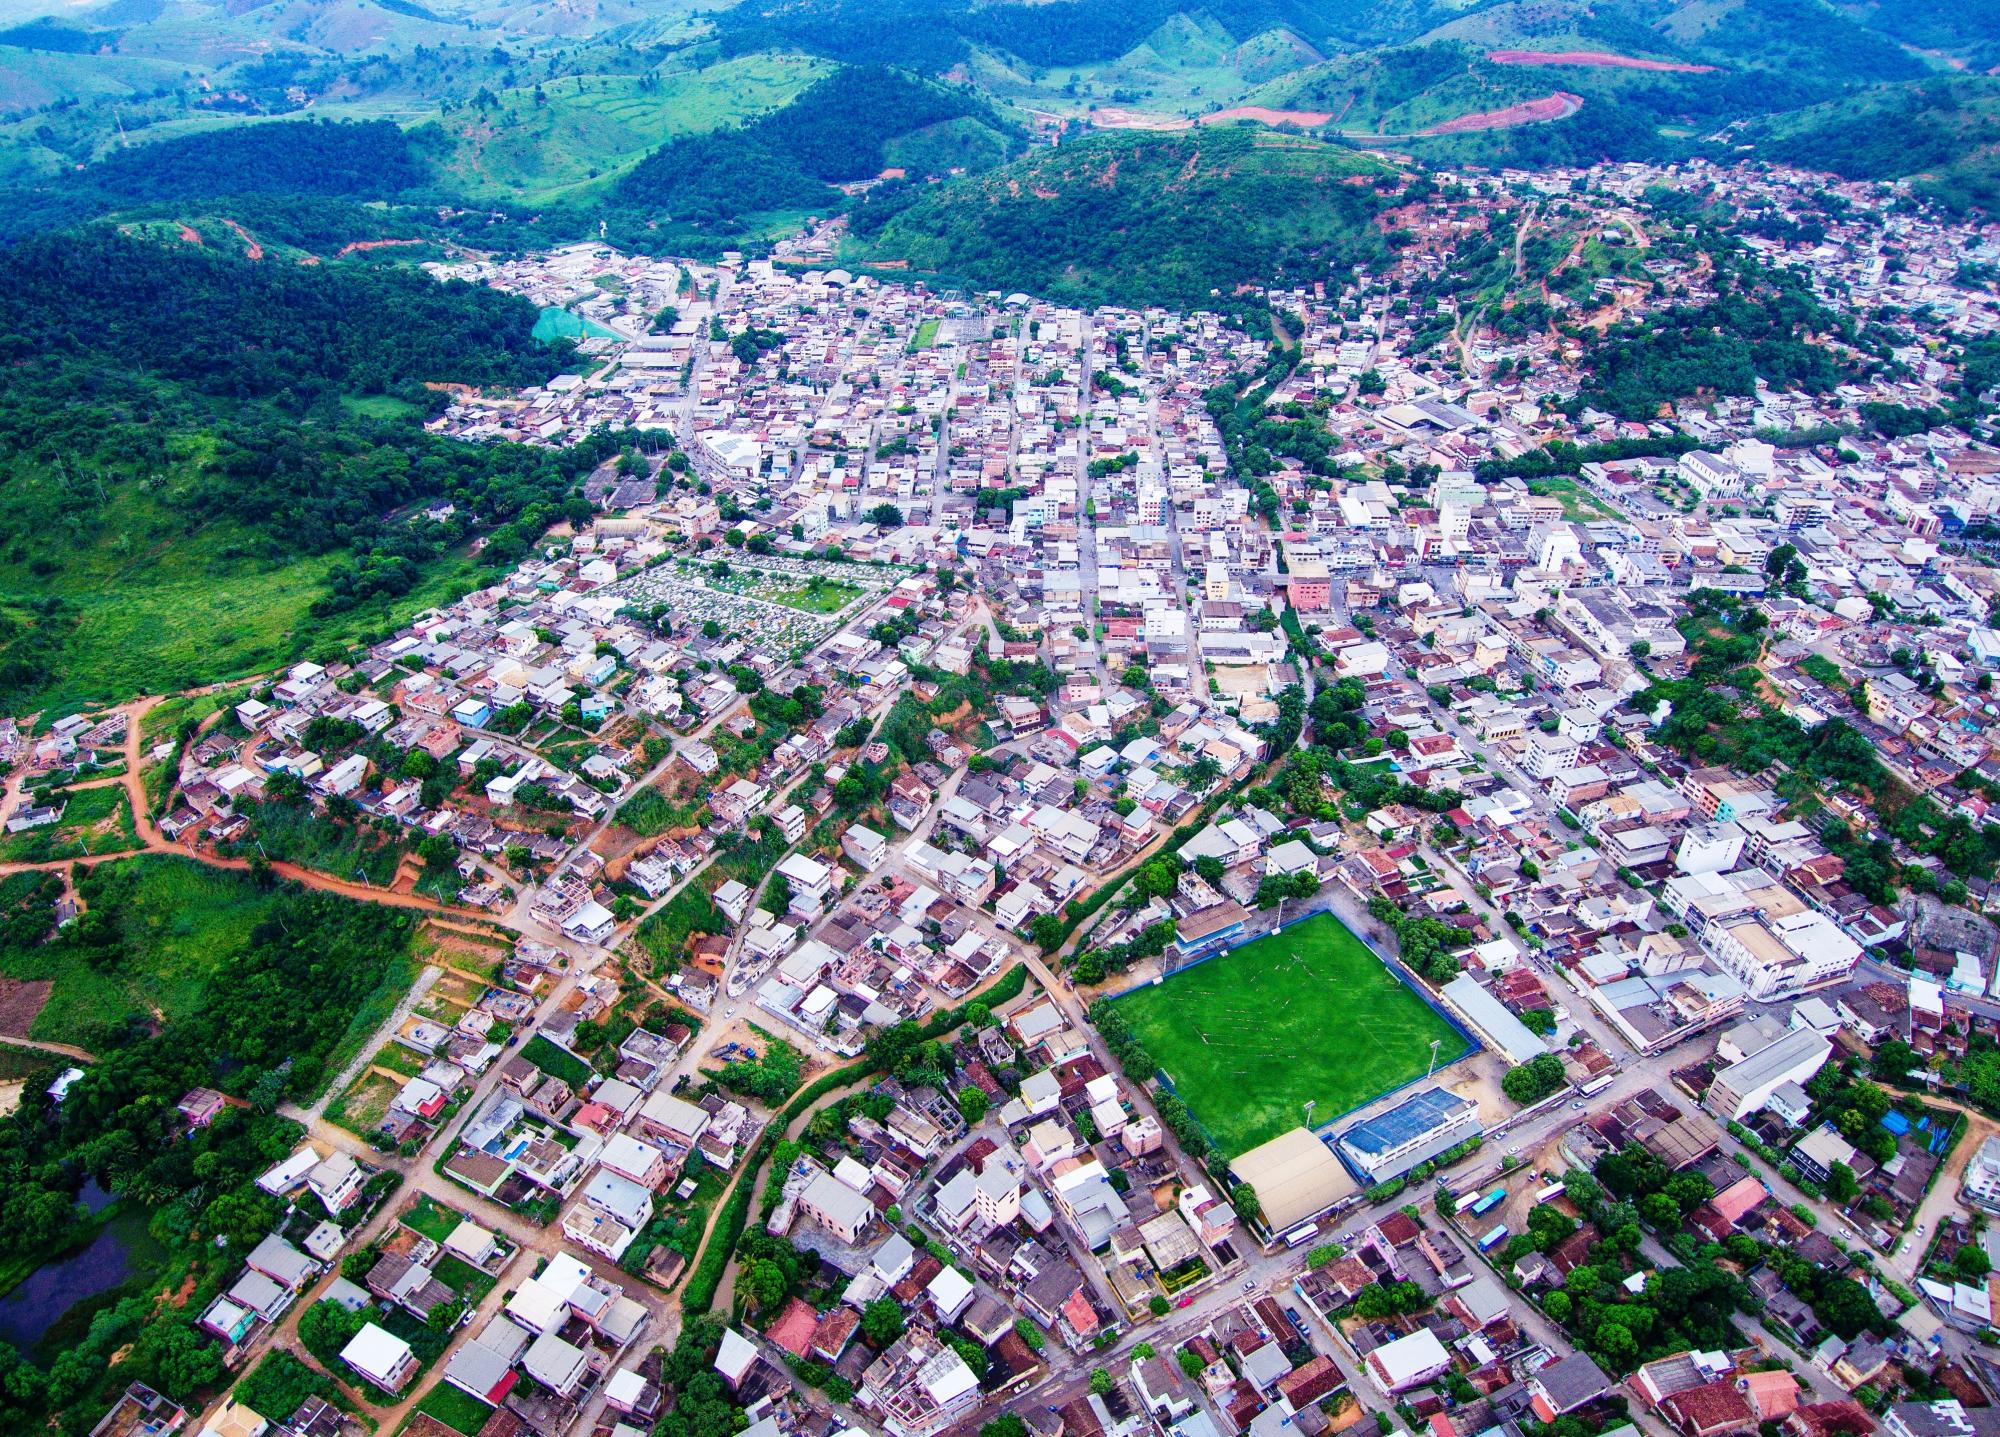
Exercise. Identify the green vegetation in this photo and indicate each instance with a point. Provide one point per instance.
(172, 921)
(1146, 218)
(1242, 1036)
(221, 510)
(456, 1408)
(281, 1383)
(665, 935)
(281, 976)
(555, 1062)
(704, 188)
(1754, 329)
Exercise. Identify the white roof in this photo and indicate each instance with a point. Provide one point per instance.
(289, 1173)
(537, 1307)
(374, 1351)
(1404, 1358)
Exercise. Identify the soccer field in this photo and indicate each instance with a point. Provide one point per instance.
(1308, 1013)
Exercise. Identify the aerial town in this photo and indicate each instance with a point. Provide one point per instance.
(1043, 873)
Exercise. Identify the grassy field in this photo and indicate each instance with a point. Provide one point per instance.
(144, 606)
(587, 129)
(1579, 504)
(179, 919)
(1308, 1014)
(457, 1409)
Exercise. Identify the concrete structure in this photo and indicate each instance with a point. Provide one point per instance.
(1745, 1086)
(1420, 1127)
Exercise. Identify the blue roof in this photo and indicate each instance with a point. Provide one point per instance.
(1414, 1116)
(1895, 1122)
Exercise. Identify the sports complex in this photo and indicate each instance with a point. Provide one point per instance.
(1308, 1014)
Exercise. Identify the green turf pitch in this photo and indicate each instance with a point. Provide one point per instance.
(1305, 1014)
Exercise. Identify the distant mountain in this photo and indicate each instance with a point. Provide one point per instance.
(1145, 217)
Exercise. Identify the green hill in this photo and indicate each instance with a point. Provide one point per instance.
(200, 454)
(1143, 217)
(1944, 133)
(705, 190)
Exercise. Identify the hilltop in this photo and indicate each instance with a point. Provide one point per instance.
(1147, 217)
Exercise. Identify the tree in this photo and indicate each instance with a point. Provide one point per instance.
(438, 852)
(1101, 1382)
(886, 516)
(1243, 1198)
(1008, 1424)
(973, 1105)
(1190, 1363)
(882, 1322)
(1841, 1184)
(1533, 1080)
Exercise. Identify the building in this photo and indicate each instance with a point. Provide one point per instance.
(1774, 956)
(1980, 1185)
(1747, 1084)
(142, 1412)
(381, 1357)
(1296, 1177)
(1408, 1362)
(1418, 1128)
(919, 1386)
(836, 1207)
(1488, 1017)
(1565, 1385)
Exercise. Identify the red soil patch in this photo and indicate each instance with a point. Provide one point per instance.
(360, 246)
(20, 1004)
(251, 249)
(1307, 119)
(1599, 58)
(189, 235)
(1559, 106)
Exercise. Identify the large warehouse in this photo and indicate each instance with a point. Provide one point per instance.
(1296, 1177)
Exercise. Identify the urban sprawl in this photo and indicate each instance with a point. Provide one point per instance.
(1038, 871)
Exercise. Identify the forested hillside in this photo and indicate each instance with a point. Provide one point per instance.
(299, 160)
(1161, 218)
(176, 423)
(838, 130)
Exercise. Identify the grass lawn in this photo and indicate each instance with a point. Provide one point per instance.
(456, 1408)
(362, 1107)
(95, 820)
(431, 1218)
(827, 597)
(1306, 1014)
(555, 1062)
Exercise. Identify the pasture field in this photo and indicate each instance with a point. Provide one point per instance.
(1306, 1014)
